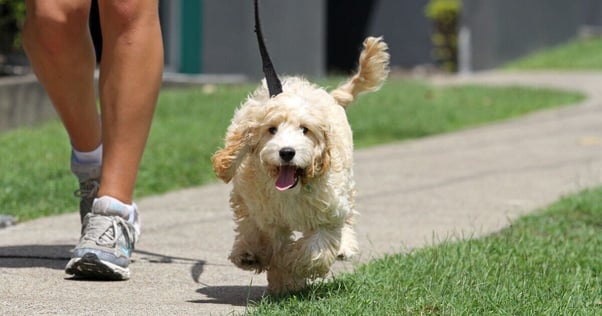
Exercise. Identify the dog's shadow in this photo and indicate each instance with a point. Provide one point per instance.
(227, 295)
(236, 295)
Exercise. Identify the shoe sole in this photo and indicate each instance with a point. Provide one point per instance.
(90, 267)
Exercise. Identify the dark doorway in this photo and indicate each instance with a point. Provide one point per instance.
(348, 22)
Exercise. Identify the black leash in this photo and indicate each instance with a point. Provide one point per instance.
(271, 77)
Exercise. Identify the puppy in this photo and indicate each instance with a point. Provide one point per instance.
(290, 156)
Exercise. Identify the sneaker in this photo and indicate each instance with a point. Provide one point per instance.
(109, 233)
(88, 176)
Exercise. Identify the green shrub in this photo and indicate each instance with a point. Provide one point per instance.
(445, 16)
(12, 16)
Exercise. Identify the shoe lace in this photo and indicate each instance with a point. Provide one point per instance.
(103, 229)
(87, 188)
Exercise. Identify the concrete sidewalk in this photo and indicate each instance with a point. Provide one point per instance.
(411, 194)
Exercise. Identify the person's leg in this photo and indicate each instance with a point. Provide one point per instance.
(130, 78)
(60, 50)
(58, 43)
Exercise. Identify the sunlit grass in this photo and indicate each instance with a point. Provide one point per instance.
(189, 126)
(583, 54)
(547, 263)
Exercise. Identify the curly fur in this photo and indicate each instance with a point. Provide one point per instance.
(319, 209)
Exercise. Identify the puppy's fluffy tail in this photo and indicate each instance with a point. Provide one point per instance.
(372, 71)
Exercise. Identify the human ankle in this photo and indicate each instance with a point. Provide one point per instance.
(93, 157)
(110, 206)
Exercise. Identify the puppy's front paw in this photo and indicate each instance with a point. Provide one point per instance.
(281, 282)
(247, 261)
(347, 251)
(346, 254)
(349, 246)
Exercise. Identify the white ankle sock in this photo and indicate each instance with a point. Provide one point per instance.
(108, 205)
(88, 157)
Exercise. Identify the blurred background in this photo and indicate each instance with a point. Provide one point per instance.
(213, 40)
(320, 37)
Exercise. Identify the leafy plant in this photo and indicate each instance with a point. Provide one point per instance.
(445, 16)
(12, 17)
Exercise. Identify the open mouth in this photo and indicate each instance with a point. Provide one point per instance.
(288, 177)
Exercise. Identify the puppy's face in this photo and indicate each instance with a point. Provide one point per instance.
(293, 142)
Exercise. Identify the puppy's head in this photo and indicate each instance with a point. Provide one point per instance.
(293, 145)
(287, 136)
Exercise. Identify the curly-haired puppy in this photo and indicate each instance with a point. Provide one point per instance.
(290, 159)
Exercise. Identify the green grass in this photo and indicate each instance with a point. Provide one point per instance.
(409, 109)
(585, 54)
(190, 124)
(548, 263)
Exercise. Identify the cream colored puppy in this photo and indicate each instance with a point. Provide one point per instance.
(290, 159)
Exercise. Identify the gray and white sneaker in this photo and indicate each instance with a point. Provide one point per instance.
(88, 176)
(109, 233)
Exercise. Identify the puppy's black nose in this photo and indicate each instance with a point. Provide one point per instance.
(287, 153)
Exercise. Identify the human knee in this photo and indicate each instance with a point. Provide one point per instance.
(123, 15)
(52, 25)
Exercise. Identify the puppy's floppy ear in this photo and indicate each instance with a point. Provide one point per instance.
(326, 157)
(321, 162)
(242, 136)
(227, 160)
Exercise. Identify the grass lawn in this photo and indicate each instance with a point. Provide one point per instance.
(548, 263)
(584, 54)
(190, 124)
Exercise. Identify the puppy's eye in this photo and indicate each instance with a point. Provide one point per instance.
(272, 130)
(304, 129)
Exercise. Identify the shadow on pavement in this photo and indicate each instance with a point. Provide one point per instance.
(236, 295)
(195, 271)
(35, 256)
(56, 257)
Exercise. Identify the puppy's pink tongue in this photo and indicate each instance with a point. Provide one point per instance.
(286, 178)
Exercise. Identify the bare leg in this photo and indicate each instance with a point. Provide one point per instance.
(58, 43)
(130, 78)
(59, 47)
